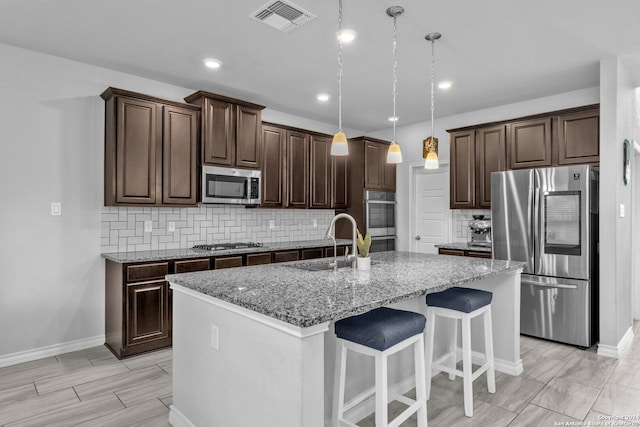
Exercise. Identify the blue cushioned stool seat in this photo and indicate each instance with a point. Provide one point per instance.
(380, 328)
(465, 300)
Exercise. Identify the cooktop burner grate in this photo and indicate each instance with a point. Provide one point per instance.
(223, 246)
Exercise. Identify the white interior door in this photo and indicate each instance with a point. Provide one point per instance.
(431, 209)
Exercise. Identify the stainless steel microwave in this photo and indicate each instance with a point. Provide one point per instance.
(230, 186)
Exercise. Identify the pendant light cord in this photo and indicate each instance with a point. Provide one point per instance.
(339, 65)
(433, 67)
(395, 75)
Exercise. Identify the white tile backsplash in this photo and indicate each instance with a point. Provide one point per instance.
(123, 227)
(461, 219)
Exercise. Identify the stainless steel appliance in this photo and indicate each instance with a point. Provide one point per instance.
(225, 246)
(549, 219)
(380, 220)
(480, 231)
(230, 186)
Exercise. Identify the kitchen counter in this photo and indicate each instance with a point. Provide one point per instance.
(463, 246)
(161, 255)
(297, 297)
(255, 346)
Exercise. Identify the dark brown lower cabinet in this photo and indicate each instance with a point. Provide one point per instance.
(138, 305)
(148, 315)
(138, 301)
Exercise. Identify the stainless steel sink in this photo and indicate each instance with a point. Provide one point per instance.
(319, 266)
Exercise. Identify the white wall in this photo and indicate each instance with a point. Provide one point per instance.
(52, 275)
(618, 122)
(410, 139)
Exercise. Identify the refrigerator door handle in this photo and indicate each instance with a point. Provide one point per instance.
(547, 285)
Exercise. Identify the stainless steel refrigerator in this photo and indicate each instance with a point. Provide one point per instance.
(549, 219)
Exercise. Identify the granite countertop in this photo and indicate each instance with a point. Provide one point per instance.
(306, 298)
(463, 246)
(160, 255)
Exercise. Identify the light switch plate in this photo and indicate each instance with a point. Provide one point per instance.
(315, 223)
(272, 224)
(56, 208)
(171, 226)
(621, 210)
(148, 226)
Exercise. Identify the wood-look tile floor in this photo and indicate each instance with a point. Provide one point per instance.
(560, 383)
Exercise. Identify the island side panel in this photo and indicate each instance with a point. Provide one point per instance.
(259, 375)
(505, 319)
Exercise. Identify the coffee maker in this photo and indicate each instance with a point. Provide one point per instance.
(480, 231)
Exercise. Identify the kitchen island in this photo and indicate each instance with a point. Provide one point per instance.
(255, 346)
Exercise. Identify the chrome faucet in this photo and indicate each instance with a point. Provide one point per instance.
(330, 234)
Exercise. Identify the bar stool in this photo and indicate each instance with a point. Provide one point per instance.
(463, 304)
(380, 333)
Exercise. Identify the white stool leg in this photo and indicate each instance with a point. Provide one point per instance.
(382, 417)
(431, 323)
(466, 365)
(453, 346)
(418, 348)
(339, 380)
(488, 350)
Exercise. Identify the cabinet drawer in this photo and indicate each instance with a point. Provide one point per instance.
(479, 254)
(312, 253)
(450, 252)
(136, 273)
(258, 259)
(192, 265)
(229, 262)
(285, 256)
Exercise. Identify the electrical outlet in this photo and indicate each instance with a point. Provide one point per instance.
(272, 224)
(171, 226)
(56, 208)
(621, 210)
(315, 223)
(148, 226)
(214, 337)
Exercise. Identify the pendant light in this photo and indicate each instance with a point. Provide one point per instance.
(339, 146)
(394, 155)
(431, 143)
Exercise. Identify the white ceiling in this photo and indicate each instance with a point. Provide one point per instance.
(495, 51)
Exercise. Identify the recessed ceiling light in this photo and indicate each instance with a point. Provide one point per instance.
(393, 119)
(347, 36)
(212, 63)
(445, 85)
(323, 97)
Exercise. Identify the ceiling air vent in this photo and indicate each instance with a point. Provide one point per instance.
(282, 15)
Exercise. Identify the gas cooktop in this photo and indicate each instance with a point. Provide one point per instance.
(223, 246)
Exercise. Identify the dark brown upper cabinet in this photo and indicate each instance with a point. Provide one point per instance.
(529, 144)
(150, 150)
(339, 182)
(274, 166)
(231, 130)
(551, 139)
(297, 169)
(320, 172)
(462, 170)
(579, 138)
(490, 151)
(378, 174)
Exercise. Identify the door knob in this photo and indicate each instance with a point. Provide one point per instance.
(417, 237)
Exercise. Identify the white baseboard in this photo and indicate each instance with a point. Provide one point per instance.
(177, 418)
(50, 350)
(615, 351)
